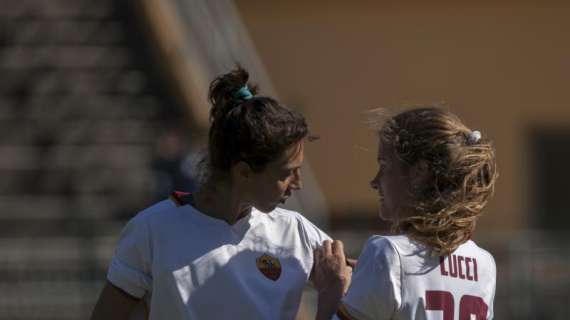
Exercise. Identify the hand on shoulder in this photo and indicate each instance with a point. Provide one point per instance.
(331, 276)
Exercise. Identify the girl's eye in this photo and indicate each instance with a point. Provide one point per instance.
(286, 174)
(293, 172)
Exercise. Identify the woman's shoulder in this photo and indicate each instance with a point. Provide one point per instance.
(293, 220)
(382, 247)
(396, 243)
(156, 215)
(470, 248)
(281, 215)
(158, 208)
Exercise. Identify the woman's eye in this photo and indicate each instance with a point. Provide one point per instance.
(286, 174)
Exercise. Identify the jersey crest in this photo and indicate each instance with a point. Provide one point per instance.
(269, 266)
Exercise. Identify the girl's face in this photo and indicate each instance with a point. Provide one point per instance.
(391, 183)
(277, 181)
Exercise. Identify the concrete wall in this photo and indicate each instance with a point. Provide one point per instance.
(503, 68)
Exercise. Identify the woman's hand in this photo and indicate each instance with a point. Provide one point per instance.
(331, 277)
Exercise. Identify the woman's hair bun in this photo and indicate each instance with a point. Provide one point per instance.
(223, 91)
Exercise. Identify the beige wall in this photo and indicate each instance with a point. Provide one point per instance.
(500, 67)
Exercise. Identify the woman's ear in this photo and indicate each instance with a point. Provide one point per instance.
(241, 171)
(419, 174)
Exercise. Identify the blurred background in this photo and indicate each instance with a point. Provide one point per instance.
(103, 111)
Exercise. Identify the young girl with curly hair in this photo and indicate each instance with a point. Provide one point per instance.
(435, 177)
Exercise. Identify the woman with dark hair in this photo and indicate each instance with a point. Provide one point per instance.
(227, 251)
(435, 177)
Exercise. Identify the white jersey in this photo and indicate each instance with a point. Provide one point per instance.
(397, 278)
(188, 265)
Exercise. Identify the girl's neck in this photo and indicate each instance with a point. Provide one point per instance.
(221, 201)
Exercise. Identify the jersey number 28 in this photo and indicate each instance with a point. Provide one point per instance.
(468, 305)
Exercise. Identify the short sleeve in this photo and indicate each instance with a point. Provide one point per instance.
(130, 266)
(313, 235)
(375, 289)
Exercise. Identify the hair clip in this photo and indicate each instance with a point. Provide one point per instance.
(243, 93)
(474, 137)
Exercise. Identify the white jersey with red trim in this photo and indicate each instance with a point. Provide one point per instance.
(397, 278)
(188, 265)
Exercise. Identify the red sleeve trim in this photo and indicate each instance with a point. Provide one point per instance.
(178, 197)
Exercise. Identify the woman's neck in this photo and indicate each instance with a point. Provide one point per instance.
(222, 202)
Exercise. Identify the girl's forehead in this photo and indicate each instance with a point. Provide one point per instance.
(293, 155)
(385, 152)
(383, 148)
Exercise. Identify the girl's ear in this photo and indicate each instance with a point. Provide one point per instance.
(419, 174)
(241, 171)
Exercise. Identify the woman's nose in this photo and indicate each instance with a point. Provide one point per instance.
(374, 183)
(297, 183)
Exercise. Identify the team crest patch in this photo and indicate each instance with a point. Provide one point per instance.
(269, 266)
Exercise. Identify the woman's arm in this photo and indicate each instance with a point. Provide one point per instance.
(114, 304)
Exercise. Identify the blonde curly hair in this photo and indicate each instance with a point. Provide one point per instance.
(461, 174)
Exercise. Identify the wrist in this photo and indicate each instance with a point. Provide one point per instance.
(331, 292)
(336, 289)
(328, 303)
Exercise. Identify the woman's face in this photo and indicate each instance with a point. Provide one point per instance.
(277, 181)
(391, 183)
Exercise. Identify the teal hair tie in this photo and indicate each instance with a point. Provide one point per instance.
(243, 93)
